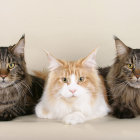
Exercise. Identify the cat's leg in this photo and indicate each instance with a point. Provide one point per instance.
(74, 118)
(10, 113)
(122, 112)
(7, 115)
(42, 112)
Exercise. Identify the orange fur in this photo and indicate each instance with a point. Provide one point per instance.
(92, 81)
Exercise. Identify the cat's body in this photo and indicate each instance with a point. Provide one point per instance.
(74, 92)
(19, 91)
(123, 82)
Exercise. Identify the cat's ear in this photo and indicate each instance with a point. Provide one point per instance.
(18, 49)
(53, 62)
(120, 47)
(90, 60)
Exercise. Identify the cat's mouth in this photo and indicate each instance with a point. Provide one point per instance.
(135, 84)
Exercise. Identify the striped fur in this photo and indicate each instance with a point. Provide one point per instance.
(123, 82)
(19, 91)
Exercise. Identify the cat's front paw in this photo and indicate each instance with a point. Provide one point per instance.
(123, 113)
(6, 116)
(74, 118)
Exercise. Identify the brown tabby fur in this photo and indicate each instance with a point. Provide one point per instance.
(19, 91)
(124, 97)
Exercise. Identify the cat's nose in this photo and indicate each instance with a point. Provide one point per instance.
(137, 76)
(3, 76)
(72, 90)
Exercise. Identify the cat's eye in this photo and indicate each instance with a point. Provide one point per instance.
(130, 66)
(64, 79)
(81, 79)
(11, 65)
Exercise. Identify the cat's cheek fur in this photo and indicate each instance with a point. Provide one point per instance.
(64, 92)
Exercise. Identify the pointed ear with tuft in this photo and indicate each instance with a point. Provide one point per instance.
(53, 62)
(18, 49)
(90, 60)
(121, 48)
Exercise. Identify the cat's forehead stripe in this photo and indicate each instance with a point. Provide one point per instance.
(69, 72)
(4, 55)
(72, 68)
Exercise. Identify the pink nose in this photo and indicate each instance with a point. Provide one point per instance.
(72, 91)
(3, 76)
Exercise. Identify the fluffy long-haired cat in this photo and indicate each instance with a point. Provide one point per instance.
(123, 81)
(19, 91)
(74, 91)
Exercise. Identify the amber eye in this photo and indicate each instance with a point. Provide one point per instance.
(64, 80)
(130, 66)
(11, 66)
(81, 79)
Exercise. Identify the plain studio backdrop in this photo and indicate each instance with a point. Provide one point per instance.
(69, 29)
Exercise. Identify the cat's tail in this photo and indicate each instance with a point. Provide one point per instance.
(41, 74)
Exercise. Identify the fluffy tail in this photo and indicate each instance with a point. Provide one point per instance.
(41, 74)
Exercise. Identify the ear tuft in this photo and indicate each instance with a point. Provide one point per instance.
(115, 37)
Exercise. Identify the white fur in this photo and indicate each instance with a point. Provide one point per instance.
(80, 111)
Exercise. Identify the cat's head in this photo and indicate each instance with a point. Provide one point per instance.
(128, 64)
(12, 64)
(72, 79)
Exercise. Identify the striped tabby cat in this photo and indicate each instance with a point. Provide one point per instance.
(123, 81)
(19, 91)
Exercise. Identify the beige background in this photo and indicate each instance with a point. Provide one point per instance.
(69, 29)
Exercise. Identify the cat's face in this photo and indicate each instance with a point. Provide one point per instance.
(12, 65)
(129, 63)
(73, 79)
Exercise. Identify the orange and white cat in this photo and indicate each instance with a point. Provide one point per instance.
(74, 91)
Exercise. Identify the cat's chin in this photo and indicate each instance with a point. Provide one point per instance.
(134, 85)
(4, 85)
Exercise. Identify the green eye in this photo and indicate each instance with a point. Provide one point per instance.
(11, 66)
(64, 80)
(130, 66)
(81, 79)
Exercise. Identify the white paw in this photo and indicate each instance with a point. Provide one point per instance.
(74, 118)
(42, 113)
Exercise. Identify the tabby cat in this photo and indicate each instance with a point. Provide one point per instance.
(74, 91)
(19, 91)
(123, 81)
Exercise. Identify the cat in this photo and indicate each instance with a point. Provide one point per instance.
(123, 81)
(74, 91)
(19, 91)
